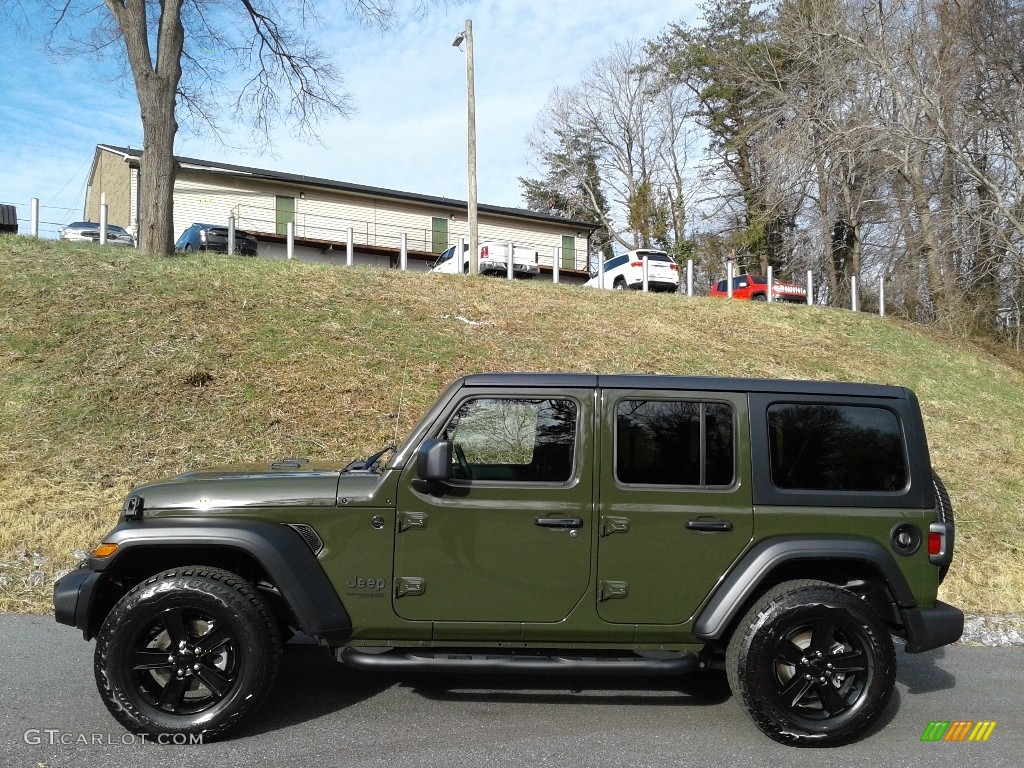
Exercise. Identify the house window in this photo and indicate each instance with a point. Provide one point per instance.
(285, 213)
(438, 234)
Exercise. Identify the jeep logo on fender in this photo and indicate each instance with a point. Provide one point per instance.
(358, 582)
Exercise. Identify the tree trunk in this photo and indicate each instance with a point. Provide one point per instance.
(156, 83)
(156, 208)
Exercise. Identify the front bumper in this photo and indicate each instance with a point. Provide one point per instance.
(928, 628)
(73, 596)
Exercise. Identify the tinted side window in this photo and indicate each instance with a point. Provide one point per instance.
(513, 439)
(836, 448)
(673, 442)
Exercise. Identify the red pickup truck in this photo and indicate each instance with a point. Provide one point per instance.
(755, 288)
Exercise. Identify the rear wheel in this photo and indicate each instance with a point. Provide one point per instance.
(190, 651)
(812, 664)
(620, 284)
(759, 297)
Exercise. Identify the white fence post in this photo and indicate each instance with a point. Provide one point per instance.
(460, 256)
(34, 223)
(881, 296)
(556, 264)
(349, 248)
(231, 235)
(771, 282)
(646, 272)
(403, 256)
(600, 270)
(689, 277)
(103, 221)
(810, 287)
(291, 240)
(508, 260)
(854, 303)
(728, 278)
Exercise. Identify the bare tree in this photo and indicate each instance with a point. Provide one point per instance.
(195, 60)
(623, 125)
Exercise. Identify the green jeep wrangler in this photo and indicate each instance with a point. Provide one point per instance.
(547, 523)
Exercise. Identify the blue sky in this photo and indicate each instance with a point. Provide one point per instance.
(408, 86)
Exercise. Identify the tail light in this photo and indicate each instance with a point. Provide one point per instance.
(636, 263)
(674, 267)
(940, 543)
(483, 251)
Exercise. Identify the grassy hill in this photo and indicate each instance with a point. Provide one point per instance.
(117, 368)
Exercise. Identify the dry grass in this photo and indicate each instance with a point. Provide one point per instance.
(116, 369)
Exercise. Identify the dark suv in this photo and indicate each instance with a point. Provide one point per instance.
(210, 237)
(547, 523)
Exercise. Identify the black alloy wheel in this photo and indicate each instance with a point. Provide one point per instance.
(812, 664)
(190, 651)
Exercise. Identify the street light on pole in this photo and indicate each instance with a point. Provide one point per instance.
(466, 36)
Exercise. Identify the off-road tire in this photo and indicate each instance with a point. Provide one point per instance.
(207, 624)
(8, 219)
(796, 696)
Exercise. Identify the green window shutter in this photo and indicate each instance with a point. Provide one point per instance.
(285, 213)
(568, 252)
(438, 234)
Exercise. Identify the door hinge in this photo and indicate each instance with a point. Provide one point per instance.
(614, 590)
(407, 520)
(410, 586)
(611, 524)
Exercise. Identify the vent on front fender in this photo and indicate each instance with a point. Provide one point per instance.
(310, 536)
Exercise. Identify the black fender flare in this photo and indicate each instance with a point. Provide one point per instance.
(278, 548)
(745, 579)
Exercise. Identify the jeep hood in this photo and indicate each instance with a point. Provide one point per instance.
(237, 487)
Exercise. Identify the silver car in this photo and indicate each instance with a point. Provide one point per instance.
(89, 232)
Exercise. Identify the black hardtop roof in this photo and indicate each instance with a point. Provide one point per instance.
(683, 383)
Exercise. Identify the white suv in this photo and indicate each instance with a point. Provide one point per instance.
(627, 271)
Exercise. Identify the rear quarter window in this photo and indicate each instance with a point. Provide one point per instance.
(836, 448)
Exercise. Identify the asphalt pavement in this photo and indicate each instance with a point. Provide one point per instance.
(322, 714)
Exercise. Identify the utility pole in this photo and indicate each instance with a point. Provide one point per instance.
(474, 239)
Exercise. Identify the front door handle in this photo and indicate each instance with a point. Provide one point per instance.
(709, 525)
(559, 522)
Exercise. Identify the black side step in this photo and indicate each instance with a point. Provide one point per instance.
(511, 663)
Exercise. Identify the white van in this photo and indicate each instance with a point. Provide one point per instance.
(493, 260)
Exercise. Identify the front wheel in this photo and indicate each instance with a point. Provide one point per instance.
(620, 285)
(812, 664)
(189, 651)
(759, 297)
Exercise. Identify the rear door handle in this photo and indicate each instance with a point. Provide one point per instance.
(559, 522)
(708, 525)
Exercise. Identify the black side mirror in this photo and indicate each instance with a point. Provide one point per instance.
(434, 460)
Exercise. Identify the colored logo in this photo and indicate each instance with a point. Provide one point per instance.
(958, 730)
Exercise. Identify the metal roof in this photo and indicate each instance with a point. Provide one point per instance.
(355, 189)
